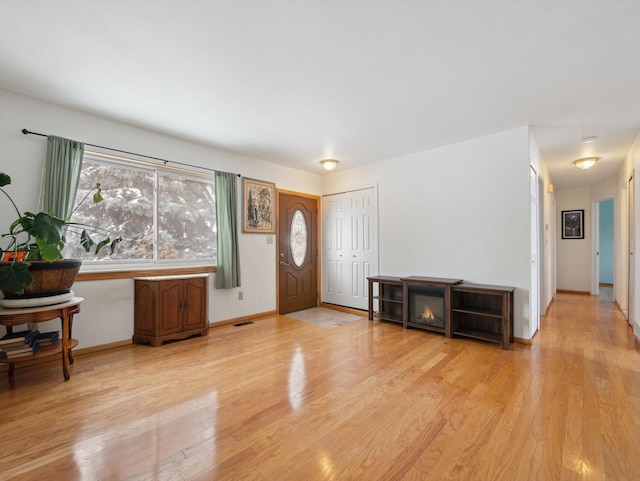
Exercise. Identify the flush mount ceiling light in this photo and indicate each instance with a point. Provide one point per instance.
(329, 164)
(585, 163)
(588, 140)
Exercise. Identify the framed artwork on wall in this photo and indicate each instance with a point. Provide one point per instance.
(573, 224)
(259, 200)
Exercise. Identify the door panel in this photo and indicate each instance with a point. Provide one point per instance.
(297, 284)
(350, 246)
(631, 258)
(534, 317)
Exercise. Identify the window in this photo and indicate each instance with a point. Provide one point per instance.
(298, 238)
(163, 215)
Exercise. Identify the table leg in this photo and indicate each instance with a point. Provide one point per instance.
(370, 300)
(12, 368)
(506, 328)
(70, 351)
(65, 343)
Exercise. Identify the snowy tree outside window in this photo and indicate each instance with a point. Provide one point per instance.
(178, 225)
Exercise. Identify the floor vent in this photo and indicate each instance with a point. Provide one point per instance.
(243, 323)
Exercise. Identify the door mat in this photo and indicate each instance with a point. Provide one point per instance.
(323, 317)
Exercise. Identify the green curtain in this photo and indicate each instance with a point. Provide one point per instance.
(61, 175)
(228, 269)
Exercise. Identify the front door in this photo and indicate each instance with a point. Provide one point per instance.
(297, 252)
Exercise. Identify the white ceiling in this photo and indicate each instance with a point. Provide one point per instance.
(295, 82)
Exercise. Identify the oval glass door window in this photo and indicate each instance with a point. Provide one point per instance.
(298, 238)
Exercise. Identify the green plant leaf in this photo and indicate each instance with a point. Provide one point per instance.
(50, 252)
(25, 223)
(86, 241)
(4, 179)
(14, 277)
(48, 228)
(114, 244)
(101, 244)
(33, 252)
(97, 196)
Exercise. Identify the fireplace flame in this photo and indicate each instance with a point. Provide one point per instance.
(428, 314)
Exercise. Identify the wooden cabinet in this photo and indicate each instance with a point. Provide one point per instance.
(170, 307)
(390, 300)
(483, 312)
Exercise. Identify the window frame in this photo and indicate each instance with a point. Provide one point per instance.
(127, 268)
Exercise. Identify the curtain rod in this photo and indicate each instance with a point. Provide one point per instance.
(28, 132)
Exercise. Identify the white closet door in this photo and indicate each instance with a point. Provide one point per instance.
(350, 246)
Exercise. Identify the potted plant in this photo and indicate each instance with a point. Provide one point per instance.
(35, 243)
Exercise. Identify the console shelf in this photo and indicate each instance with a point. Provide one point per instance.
(390, 300)
(481, 335)
(475, 311)
(483, 312)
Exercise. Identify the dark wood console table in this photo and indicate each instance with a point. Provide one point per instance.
(475, 311)
(64, 311)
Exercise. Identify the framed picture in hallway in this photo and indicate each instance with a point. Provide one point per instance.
(573, 224)
(259, 200)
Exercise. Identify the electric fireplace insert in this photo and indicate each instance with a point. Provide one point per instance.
(427, 305)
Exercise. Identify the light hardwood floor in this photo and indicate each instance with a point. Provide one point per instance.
(284, 400)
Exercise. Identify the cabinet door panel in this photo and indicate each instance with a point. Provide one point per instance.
(170, 315)
(145, 310)
(195, 313)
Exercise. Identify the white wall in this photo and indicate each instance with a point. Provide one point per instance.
(604, 190)
(460, 211)
(574, 255)
(107, 313)
(547, 220)
(634, 160)
(621, 286)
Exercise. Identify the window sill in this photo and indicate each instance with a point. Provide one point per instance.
(127, 274)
